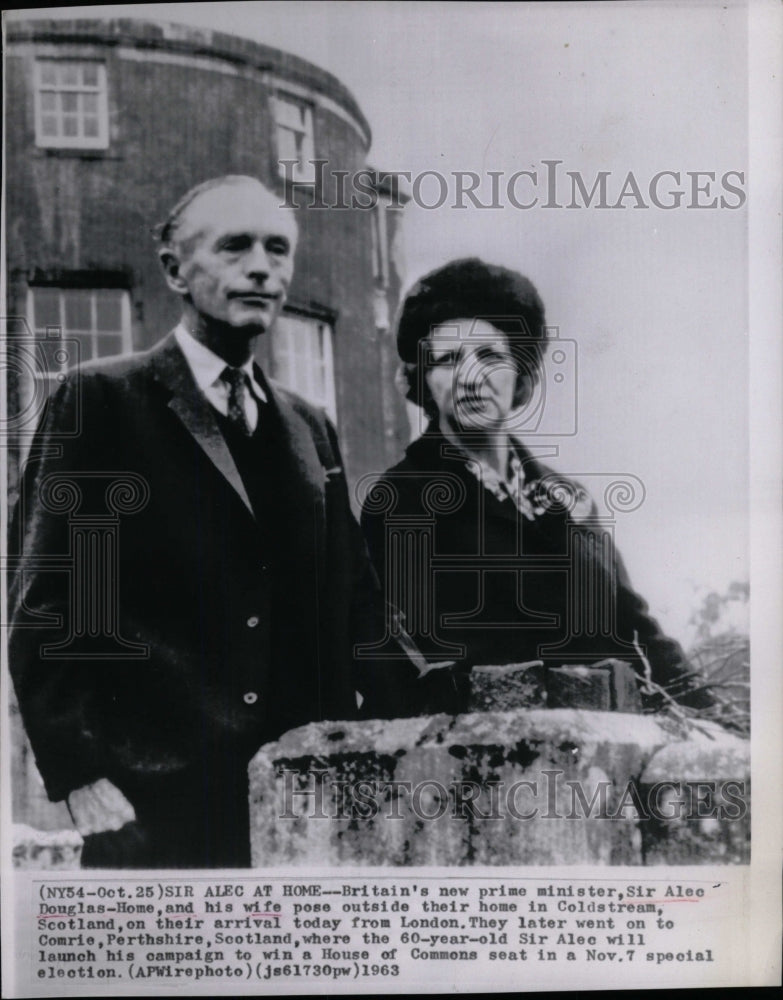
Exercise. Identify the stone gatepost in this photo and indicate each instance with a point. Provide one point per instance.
(501, 786)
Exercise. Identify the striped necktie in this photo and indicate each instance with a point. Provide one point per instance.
(236, 380)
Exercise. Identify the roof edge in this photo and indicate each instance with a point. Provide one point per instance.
(172, 37)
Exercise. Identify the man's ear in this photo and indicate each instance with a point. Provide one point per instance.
(170, 262)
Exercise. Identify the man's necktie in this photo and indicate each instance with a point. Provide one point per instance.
(235, 379)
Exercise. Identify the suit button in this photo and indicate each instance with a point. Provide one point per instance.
(253, 621)
(250, 697)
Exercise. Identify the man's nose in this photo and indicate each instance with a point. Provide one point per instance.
(257, 262)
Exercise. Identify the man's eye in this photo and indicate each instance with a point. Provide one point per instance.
(444, 359)
(279, 246)
(236, 244)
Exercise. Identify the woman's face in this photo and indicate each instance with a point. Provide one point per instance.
(471, 375)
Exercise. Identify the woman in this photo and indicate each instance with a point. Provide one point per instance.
(491, 557)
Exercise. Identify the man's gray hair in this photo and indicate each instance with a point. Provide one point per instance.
(165, 231)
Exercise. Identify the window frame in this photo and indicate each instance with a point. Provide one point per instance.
(44, 334)
(380, 244)
(305, 362)
(304, 172)
(100, 90)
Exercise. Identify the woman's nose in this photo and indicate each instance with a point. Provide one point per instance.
(469, 368)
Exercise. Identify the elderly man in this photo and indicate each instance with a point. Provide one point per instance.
(239, 582)
(512, 564)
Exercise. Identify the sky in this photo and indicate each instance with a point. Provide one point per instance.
(653, 303)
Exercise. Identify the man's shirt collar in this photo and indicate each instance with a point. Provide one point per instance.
(207, 367)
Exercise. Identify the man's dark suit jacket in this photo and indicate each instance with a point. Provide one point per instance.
(239, 628)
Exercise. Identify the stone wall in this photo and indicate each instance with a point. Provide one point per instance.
(520, 787)
(526, 786)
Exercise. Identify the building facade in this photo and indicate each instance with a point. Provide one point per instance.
(108, 123)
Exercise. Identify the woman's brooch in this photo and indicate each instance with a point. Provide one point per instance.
(555, 495)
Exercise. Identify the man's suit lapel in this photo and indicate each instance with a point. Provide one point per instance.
(302, 475)
(303, 481)
(298, 444)
(194, 411)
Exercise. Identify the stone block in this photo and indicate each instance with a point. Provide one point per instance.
(624, 684)
(51, 850)
(517, 685)
(489, 788)
(708, 778)
(580, 687)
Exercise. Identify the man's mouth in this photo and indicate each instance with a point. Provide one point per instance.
(255, 298)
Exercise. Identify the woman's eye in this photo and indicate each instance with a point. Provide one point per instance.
(493, 356)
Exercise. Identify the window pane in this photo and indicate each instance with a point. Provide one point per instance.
(302, 359)
(69, 74)
(77, 310)
(108, 314)
(376, 271)
(46, 308)
(86, 350)
(72, 108)
(48, 73)
(49, 351)
(289, 114)
(95, 317)
(108, 345)
(286, 142)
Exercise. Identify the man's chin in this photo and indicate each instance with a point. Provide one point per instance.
(250, 323)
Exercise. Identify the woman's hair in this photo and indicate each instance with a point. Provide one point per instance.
(472, 289)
